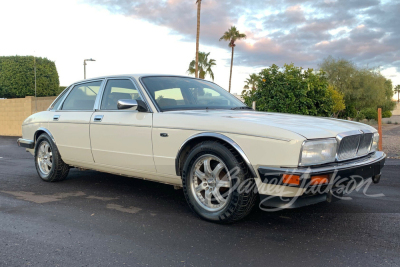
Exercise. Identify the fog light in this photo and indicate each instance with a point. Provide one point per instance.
(319, 179)
(291, 179)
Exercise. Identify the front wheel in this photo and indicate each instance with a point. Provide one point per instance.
(215, 183)
(48, 162)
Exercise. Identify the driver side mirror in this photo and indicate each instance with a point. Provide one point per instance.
(131, 104)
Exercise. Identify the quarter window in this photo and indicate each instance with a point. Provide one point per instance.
(117, 90)
(82, 96)
(55, 104)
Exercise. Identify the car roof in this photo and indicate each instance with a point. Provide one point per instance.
(136, 76)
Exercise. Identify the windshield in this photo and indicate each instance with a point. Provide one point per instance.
(180, 93)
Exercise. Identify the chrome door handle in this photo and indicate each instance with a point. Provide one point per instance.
(98, 118)
(56, 117)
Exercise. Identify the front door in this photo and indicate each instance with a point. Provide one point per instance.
(121, 138)
(70, 123)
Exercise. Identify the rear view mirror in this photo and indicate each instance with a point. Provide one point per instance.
(130, 104)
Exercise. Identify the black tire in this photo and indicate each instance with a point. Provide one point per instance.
(239, 202)
(58, 170)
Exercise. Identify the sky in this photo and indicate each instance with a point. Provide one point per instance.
(158, 36)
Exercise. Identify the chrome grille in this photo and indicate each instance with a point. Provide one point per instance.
(365, 143)
(348, 147)
(353, 146)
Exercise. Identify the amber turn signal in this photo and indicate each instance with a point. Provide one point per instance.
(291, 179)
(319, 179)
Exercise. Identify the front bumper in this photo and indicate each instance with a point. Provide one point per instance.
(26, 143)
(353, 172)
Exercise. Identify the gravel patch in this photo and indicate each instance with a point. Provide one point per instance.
(391, 140)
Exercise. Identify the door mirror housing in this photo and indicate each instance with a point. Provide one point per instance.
(130, 104)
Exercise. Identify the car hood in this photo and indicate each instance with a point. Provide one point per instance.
(309, 127)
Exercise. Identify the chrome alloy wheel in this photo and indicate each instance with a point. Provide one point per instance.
(210, 182)
(45, 158)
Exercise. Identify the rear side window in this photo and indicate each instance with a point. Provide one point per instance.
(82, 96)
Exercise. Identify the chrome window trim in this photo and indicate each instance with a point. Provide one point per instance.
(75, 110)
(102, 91)
(72, 88)
(60, 96)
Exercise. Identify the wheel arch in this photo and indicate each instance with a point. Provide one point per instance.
(40, 131)
(195, 139)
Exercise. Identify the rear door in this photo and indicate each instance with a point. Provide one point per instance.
(70, 123)
(122, 138)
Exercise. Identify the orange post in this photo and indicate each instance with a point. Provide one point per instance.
(380, 128)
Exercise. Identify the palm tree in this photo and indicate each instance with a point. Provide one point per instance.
(251, 82)
(205, 66)
(232, 35)
(198, 2)
(397, 90)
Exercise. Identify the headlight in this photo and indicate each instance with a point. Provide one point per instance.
(375, 142)
(316, 152)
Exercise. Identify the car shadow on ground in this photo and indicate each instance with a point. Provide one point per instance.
(157, 198)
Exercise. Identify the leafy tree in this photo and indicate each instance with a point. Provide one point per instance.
(397, 91)
(232, 35)
(17, 77)
(198, 2)
(338, 101)
(251, 82)
(205, 66)
(362, 88)
(291, 90)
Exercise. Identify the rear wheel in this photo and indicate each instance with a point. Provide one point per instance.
(48, 162)
(215, 183)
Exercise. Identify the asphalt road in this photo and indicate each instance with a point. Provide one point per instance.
(96, 219)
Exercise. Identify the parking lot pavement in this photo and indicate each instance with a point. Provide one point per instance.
(99, 219)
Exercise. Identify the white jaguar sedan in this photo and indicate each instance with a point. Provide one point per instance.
(191, 133)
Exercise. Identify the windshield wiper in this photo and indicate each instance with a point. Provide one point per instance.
(245, 107)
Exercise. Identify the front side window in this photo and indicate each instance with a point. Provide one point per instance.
(117, 90)
(180, 93)
(82, 96)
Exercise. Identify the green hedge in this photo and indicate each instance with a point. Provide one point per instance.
(370, 113)
(17, 77)
(386, 114)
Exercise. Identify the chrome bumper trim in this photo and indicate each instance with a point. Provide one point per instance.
(306, 171)
(25, 143)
